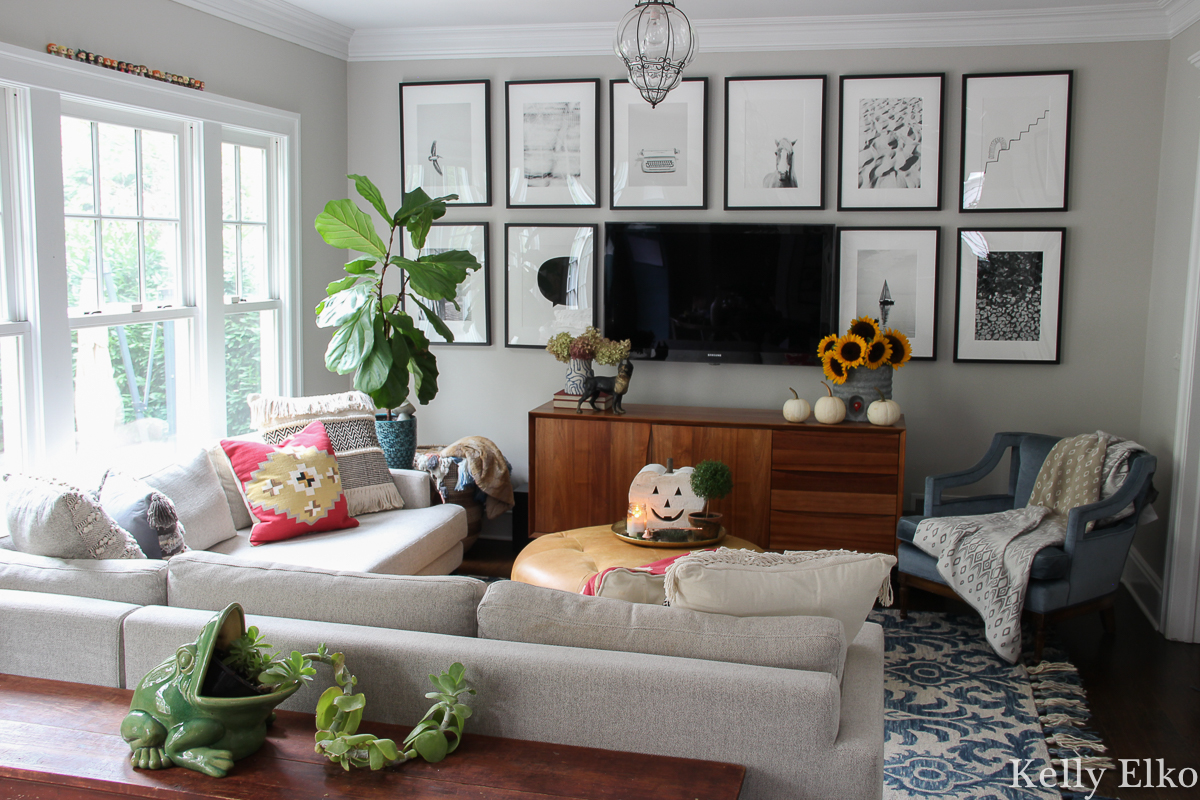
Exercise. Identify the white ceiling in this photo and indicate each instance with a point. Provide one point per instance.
(385, 30)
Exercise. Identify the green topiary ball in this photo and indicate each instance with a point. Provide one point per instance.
(712, 480)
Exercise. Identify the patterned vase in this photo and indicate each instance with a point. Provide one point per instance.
(578, 370)
(398, 438)
(858, 391)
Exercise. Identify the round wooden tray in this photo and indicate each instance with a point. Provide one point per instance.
(618, 528)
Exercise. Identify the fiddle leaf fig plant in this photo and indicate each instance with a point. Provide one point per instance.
(374, 337)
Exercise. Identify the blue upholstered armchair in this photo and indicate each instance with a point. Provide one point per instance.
(1080, 576)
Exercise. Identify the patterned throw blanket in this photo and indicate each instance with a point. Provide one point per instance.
(986, 558)
(487, 465)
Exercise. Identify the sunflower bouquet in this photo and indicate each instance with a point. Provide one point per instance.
(864, 344)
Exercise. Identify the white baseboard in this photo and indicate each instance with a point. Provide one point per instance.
(1145, 586)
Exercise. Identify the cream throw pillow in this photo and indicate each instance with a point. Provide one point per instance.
(824, 583)
(47, 517)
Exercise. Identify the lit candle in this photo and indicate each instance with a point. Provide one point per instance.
(635, 519)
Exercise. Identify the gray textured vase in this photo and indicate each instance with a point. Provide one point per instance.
(858, 391)
(398, 438)
(578, 370)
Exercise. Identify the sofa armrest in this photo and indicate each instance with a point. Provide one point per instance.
(414, 486)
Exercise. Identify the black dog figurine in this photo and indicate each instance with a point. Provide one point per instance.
(616, 385)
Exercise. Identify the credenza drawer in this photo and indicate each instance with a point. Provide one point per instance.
(807, 531)
(834, 452)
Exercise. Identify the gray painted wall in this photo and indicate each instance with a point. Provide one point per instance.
(952, 409)
(233, 61)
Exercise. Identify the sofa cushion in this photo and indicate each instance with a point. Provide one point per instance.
(195, 489)
(838, 584)
(231, 486)
(349, 418)
(47, 517)
(519, 612)
(441, 604)
(399, 542)
(1050, 564)
(132, 580)
(148, 514)
(293, 488)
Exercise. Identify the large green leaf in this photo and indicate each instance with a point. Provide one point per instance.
(373, 371)
(459, 259)
(417, 213)
(394, 391)
(361, 266)
(435, 281)
(371, 194)
(403, 322)
(342, 305)
(339, 285)
(423, 366)
(351, 343)
(434, 320)
(342, 224)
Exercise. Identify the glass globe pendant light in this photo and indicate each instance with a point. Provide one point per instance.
(656, 41)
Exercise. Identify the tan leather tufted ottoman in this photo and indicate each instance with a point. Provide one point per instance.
(567, 559)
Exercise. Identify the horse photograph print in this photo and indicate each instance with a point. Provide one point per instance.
(774, 142)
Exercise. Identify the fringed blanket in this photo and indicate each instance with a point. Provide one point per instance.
(484, 463)
(986, 558)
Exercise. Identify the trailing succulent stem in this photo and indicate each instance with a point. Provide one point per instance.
(340, 710)
(374, 337)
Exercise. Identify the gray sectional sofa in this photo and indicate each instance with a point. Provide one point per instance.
(787, 697)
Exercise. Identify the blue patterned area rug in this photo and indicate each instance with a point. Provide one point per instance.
(956, 714)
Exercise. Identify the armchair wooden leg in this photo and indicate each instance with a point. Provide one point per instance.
(1108, 618)
(903, 595)
(1039, 636)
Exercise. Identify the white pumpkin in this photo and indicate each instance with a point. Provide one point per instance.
(829, 410)
(667, 496)
(883, 411)
(796, 409)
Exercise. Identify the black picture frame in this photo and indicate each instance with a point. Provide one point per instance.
(892, 164)
(789, 112)
(524, 289)
(913, 281)
(1019, 246)
(572, 193)
(474, 186)
(1038, 178)
(631, 122)
(474, 293)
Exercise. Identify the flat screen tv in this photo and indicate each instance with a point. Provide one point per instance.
(720, 293)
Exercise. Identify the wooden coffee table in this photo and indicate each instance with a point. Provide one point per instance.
(62, 740)
(568, 559)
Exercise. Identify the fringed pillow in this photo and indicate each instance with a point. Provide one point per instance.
(47, 517)
(349, 419)
(148, 514)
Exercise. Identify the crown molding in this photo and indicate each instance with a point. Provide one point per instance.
(283, 21)
(1124, 22)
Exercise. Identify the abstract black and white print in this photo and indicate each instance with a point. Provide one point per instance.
(1008, 297)
(553, 154)
(889, 143)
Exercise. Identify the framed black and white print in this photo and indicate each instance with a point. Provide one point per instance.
(445, 140)
(890, 142)
(549, 283)
(1016, 136)
(774, 142)
(891, 275)
(471, 322)
(1008, 296)
(658, 154)
(552, 157)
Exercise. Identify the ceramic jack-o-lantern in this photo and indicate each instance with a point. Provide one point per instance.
(667, 496)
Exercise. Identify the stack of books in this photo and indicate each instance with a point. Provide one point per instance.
(571, 401)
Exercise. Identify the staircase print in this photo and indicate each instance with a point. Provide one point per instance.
(1000, 144)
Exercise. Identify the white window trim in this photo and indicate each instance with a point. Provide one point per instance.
(48, 84)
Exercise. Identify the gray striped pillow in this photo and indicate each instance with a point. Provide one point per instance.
(364, 471)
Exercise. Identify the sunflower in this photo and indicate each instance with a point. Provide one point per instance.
(865, 327)
(901, 349)
(878, 352)
(826, 345)
(851, 349)
(835, 369)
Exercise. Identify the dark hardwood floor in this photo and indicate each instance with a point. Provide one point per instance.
(1144, 691)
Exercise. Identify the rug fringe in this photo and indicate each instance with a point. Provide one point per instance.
(1051, 666)
(1059, 720)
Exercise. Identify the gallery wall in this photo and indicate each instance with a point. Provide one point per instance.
(233, 61)
(951, 409)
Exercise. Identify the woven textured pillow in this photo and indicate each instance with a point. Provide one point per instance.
(148, 514)
(292, 489)
(349, 419)
(47, 517)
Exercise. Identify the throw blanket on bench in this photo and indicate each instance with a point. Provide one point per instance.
(986, 558)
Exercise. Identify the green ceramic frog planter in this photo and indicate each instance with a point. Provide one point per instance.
(174, 719)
